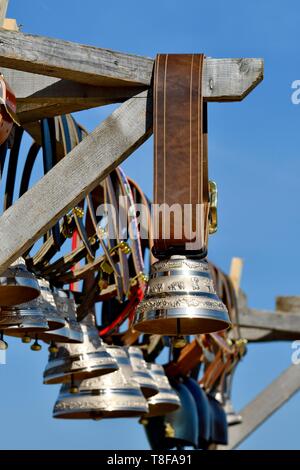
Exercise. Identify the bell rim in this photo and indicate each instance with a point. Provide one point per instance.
(22, 291)
(82, 374)
(149, 321)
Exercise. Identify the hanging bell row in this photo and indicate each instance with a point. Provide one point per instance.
(123, 393)
(181, 300)
(50, 317)
(199, 422)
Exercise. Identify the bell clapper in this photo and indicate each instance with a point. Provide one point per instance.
(179, 342)
(3, 344)
(36, 345)
(73, 387)
(26, 339)
(53, 348)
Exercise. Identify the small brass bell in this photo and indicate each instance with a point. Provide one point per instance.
(167, 399)
(80, 360)
(181, 300)
(141, 373)
(18, 285)
(115, 395)
(36, 346)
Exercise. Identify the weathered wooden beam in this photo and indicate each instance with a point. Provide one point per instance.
(263, 319)
(223, 79)
(74, 177)
(264, 405)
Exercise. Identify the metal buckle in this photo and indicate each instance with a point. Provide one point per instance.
(213, 208)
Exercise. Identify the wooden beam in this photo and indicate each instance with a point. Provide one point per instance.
(264, 405)
(223, 79)
(263, 319)
(3, 10)
(74, 177)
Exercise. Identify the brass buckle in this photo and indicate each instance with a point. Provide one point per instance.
(213, 207)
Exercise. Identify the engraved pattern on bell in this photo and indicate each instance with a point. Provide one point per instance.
(114, 395)
(141, 372)
(180, 284)
(180, 263)
(167, 399)
(87, 359)
(17, 285)
(181, 300)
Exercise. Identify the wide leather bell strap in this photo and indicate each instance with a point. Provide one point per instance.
(180, 155)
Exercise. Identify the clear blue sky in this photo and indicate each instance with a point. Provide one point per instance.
(254, 157)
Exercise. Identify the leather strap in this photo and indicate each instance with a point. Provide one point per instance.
(180, 155)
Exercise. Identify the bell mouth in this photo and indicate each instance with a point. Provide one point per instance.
(161, 409)
(62, 376)
(11, 295)
(148, 390)
(174, 322)
(100, 414)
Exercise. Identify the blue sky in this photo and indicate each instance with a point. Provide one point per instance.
(254, 157)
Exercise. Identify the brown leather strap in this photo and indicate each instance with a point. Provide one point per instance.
(180, 155)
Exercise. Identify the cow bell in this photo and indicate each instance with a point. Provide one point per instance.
(177, 429)
(18, 285)
(166, 400)
(181, 300)
(219, 426)
(71, 332)
(141, 372)
(115, 395)
(203, 410)
(80, 361)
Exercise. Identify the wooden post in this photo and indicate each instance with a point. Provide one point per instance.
(3, 10)
(235, 274)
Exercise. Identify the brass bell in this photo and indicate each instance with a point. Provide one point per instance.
(18, 285)
(71, 331)
(141, 373)
(82, 360)
(181, 300)
(167, 399)
(115, 395)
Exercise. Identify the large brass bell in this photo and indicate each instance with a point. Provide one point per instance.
(181, 300)
(115, 395)
(80, 361)
(71, 332)
(141, 372)
(17, 285)
(166, 400)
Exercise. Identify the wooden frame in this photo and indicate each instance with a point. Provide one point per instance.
(52, 77)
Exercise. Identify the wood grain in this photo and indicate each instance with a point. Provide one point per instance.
(223, 79)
